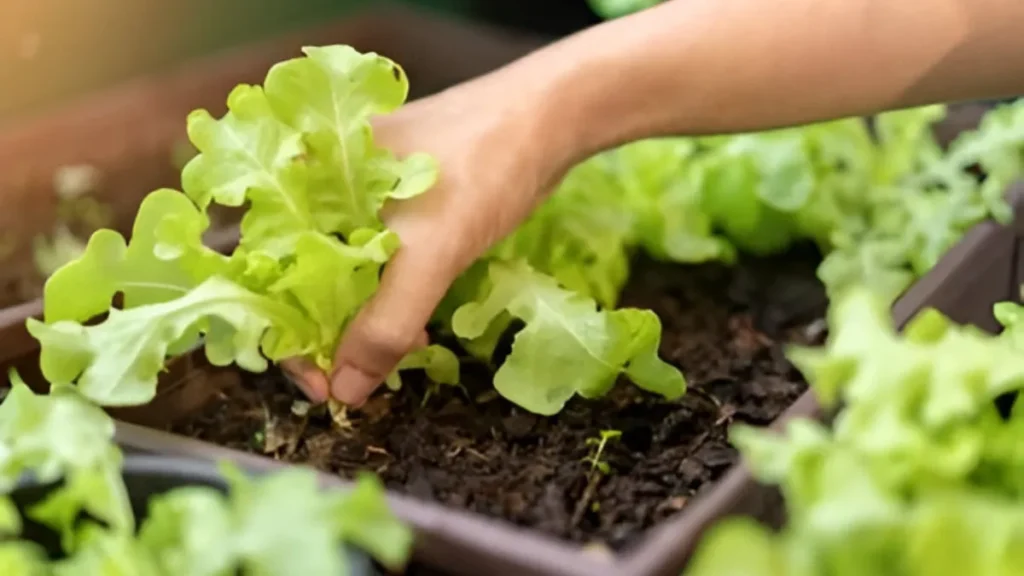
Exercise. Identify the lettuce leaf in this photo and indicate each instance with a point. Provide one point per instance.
(23, 558)
(580, 236)
(920, 474)
(881, 199)
(567, 346)
(274, 524)
(85, 287)
(62, 436)
(116, 362)
(665, 190)
(299, 152)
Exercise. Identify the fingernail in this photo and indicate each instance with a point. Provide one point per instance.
(301, 384)
(351, 385)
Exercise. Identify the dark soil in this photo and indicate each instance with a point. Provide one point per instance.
(723, 326)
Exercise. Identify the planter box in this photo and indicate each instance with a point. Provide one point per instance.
(984, 268)
(987, 266)
(146, 477)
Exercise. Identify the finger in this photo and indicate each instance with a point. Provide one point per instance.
(308, 378)
(392, 323)
(311, 380)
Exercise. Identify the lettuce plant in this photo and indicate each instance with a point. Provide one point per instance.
(922, 474)
(276, 525)
(882, 200)
(298, 152)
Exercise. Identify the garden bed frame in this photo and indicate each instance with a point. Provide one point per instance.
(136, 120)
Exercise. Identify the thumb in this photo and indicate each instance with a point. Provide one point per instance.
(392, 323)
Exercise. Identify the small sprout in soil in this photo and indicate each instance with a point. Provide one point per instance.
(594, 458)
(435, 388)
(432, 388)
(598, 470)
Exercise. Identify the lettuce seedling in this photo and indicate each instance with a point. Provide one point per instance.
(278, 524)
(920, 475)
(567, 346)
(883, 202)
(299, 154)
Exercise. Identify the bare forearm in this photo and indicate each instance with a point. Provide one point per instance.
(717, 66)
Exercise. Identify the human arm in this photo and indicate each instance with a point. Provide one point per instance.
(695, 67)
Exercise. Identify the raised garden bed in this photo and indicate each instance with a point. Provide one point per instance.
(905, 477)
(673, 474)
(471, 449)
(624, 484)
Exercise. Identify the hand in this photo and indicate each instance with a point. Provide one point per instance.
(494, 169)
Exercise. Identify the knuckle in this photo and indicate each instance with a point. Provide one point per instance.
(386, 342)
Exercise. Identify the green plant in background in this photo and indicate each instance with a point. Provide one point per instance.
(53, 252)
(615, 8)
(883, 205)
(921, 473)
(276, 525)
(76, 208)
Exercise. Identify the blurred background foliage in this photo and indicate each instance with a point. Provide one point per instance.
(55, 50)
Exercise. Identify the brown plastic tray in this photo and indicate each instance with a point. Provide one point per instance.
(984, 268)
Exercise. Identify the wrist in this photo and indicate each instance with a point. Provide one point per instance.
(601, 88)
(523, 106)
(611, 84)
